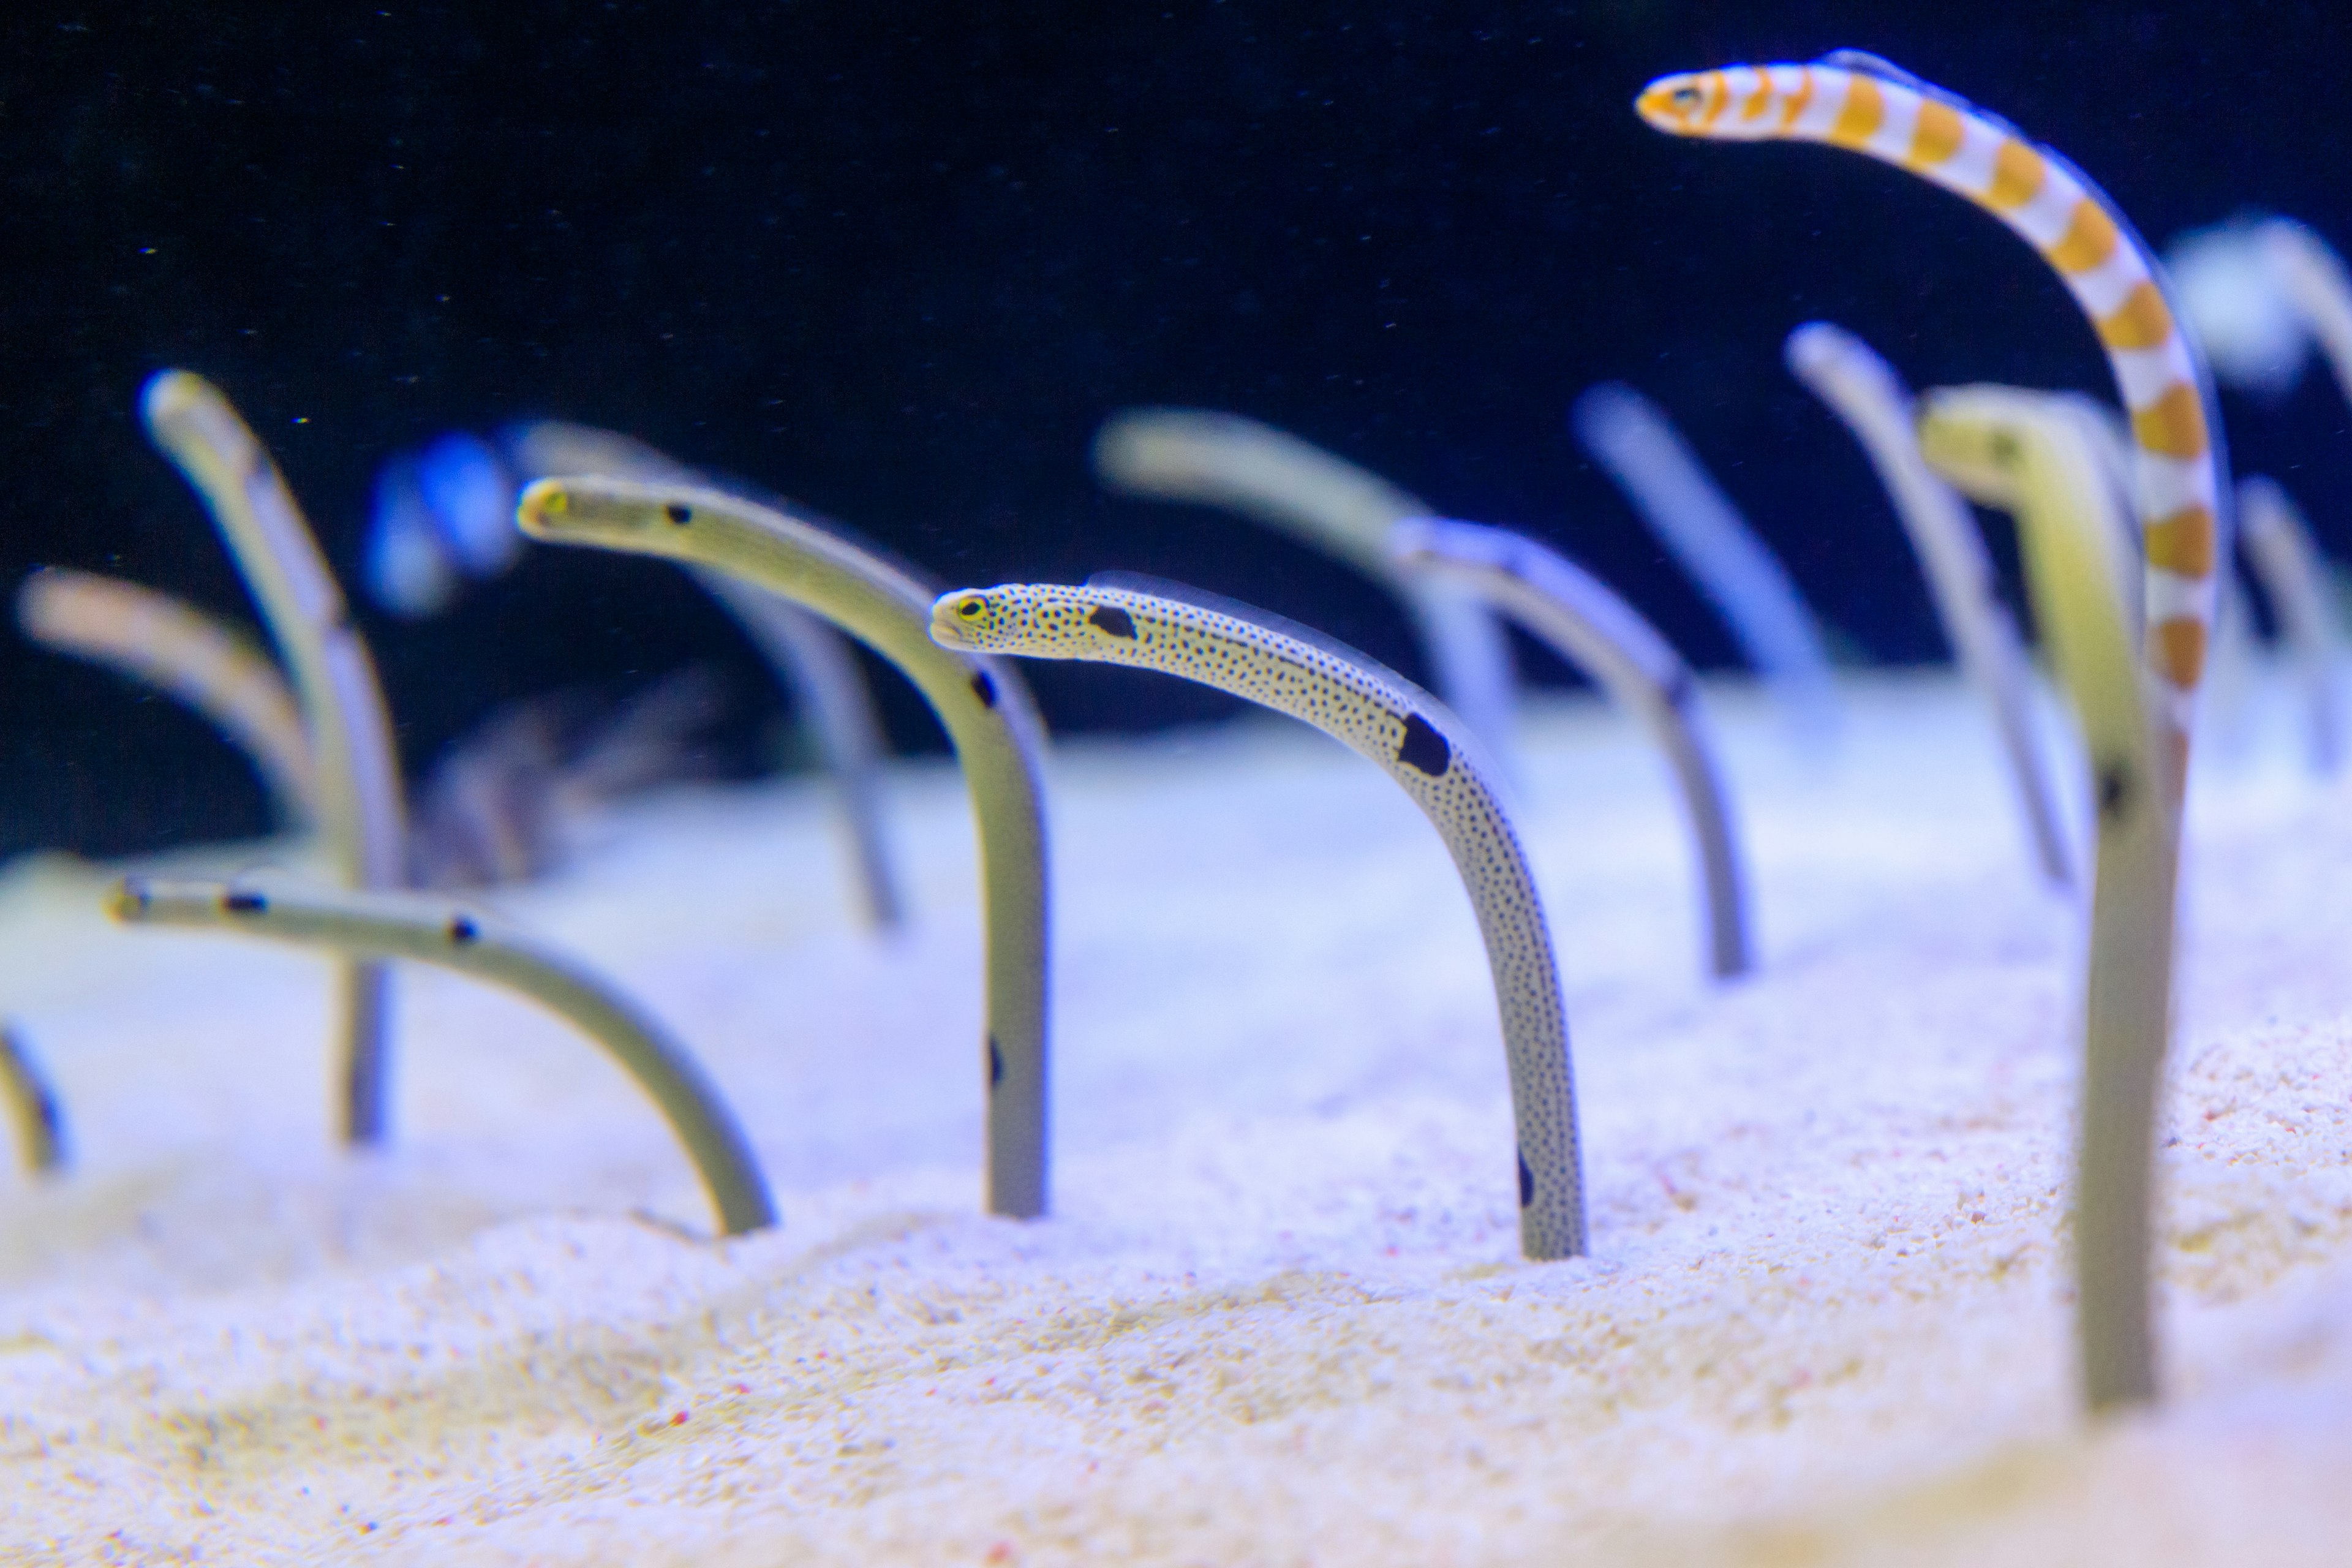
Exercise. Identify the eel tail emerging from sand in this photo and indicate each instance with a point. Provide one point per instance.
(32, 1106)
(357, 765)
(2016, 450)
(204, 661)
(1599, 633)
(2278, 541)
(981, 702)
(1632, 439)
(1299, 488)
(809, 658)
(1864, 392)
(448, 935)
(1421, 745)
(1861, 102)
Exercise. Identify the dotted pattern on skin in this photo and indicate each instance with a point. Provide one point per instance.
(448, 936)
(984, 707)
(1419, 745)
(2107, 267)
(2027, 453)
(1602, 635)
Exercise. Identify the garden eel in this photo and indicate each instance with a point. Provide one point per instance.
(431, 930)
(1599, 633)
(1420, 744)
(32, 1105)
(1870, 399)
(982, 704)
(2275, 537)
(2311, 273)
(201, 659)
(1858, 101)
(1632, 438)
(2016, 450)
(356, 765)
(1301, 489)
(812, 660)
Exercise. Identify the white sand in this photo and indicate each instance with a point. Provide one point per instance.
(1278, 1316)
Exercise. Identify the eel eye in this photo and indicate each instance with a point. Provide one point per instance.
(1687, 97)
(968, 610)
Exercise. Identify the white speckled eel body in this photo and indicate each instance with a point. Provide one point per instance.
(1857, 102)
(1421, 745)
(357, 765)
(982, 704)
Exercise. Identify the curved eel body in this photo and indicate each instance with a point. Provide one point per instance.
(1857, 102)
(1632, 438)
(981, 702)
(811, 659)
(2278, 541)
(1299, 488)
(357, 765)
(2017, 450)
(2313, 277)
(1419, 745)
(452, 937)
(1864, 393)
(204, 661)
(32, 1106)
(1602, 635)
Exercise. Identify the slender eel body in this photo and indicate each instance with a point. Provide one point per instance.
(809, 656)
(2278, 541)
(446, 934)
(358, 768)
(2313, 276)
(1632, 439)
(2016, 450)
(1864, 393)
(1857, 102)
(205, 662)
(1602, 635)
(1299, 488)
(1420, 744)
(981, 702)
(32, 1106)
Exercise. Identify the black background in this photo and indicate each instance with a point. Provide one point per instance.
(897, 261)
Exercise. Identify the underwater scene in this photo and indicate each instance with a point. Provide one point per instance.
(1225, 784)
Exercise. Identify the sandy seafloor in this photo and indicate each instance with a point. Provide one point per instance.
(1278, 1316)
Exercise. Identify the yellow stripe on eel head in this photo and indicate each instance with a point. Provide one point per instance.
(2090, 238)
(2018, 172)
(1937, 135)
(2174, 425)
(2142, 322)
(2182, 544)
(1858, 121)
(1677, 104)
(2177, 647)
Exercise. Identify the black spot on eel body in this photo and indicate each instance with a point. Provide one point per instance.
(985, 688)
(1423, 747)
(462, 930)
(245, 904)
(2115, 790)
(1527, 1180)
(995, 1063)
(678, 514)
(1114, 620)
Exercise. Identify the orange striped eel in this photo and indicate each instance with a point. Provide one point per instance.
(1857, 102)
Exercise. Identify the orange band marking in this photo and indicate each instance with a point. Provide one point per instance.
(2018, 172)
(2174, 425)
(1938, 135)
(2182, 542)
(2176, 645)
(1865, 108)
(1798, 99)
(2141, 322)
(2090, 238)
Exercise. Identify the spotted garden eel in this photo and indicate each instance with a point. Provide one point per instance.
(1420, 744)
(1602, 635)
(811, 659)
(1864, 393)
(357, 766)
(1632, 438)
(201, 659)
(32, 1106)
(1863, 103)
(2277, 541)
(2020, 451)
(981, 702)
(1299, 488)
(450, 936)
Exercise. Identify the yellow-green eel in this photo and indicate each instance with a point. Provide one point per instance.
(2024, 452)
(356, 764)
(982, 704)
(1418, 743)
(1587, 624)
(431, 931)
